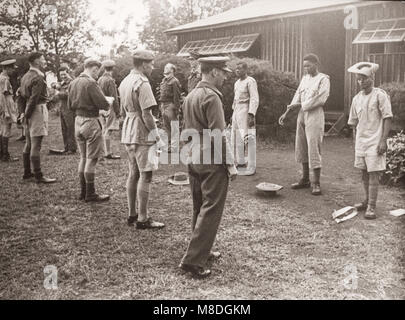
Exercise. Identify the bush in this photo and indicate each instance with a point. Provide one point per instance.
(276, 90)
(396, 91)
(396, 160)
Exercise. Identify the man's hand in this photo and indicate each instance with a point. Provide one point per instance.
(282, 118)
(382, 147)
(251, 120)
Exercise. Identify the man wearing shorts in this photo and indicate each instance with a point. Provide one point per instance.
(86, 99)
(371, 116)
(34, 94)
(8, 109)
(139, 134)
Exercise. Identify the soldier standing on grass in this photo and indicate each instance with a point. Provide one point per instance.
(139, 125)
(34, 93)
(203, 110)
(310, 98)
(8, 110)
(110, 122)
(170, 95)
(67, 116)
(86, 99)
(370, 115)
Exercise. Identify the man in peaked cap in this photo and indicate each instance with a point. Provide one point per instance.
(86, 99)
(8, 109)
(110, 122)
(34, 97)
(204, 114)
(140, 137)
(370, 116)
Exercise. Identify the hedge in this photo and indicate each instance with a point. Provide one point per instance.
(396, 91)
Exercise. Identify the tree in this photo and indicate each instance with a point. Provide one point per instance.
(58, 27)
(163, 15)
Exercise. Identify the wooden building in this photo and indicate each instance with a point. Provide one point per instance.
(340, 32)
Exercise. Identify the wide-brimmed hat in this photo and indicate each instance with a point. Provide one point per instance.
(270, 188)
(365, 68)
(179, 179)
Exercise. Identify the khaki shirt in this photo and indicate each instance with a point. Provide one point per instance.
(8, 109)
(246, 93)
(109, 88)
(203, 109)
(367, 113)
(33, 90)
(136, 95)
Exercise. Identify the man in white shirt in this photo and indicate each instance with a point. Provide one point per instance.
(370, 115)
(245, 105)
(310, 97)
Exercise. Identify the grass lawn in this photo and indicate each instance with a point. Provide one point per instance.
(285, 247)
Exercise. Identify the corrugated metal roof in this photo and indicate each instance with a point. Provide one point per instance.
(263, 9)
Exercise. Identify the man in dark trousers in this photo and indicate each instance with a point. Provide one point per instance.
(170, 94)
(86, 99)
(110, 121)
(67, 117)
(34, 94)
(203, 110)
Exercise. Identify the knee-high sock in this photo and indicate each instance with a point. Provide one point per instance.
(5, 145)
(143, 198)
(36, 163)
(82, 180)
(305, 171)
(132, 186)
(373, 190)
(90, 188)
(366, 185)
(107, 145)
(317, 176)
(27, 163)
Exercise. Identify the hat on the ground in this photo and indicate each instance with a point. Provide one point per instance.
(179, 179)
(217, 62)
(9, 62)
(91, 62)
(143, 55)
(108, 63)
(365, 68)
(269, 187)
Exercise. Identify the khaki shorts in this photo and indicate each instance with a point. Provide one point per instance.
(37, 125)
(88, 133)
(371, 163)
(145, 156)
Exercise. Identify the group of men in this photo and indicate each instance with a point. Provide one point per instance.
(86, 99)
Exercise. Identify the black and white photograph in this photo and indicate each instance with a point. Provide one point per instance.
(219, 152)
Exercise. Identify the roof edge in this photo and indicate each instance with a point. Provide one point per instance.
(273, 17)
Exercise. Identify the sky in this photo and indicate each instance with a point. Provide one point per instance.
(102, 13)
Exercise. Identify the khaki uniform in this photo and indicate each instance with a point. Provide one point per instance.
(246, 101)
(8, 109)
(86, 99)
(109, 88)
(34, 92)
(367, 114)
(203, 109)
(136, 95)
(312, 93)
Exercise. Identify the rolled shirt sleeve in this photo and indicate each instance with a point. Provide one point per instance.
(146, 97)
(254, 96)
(384, 104)
(297, 96)
(320, 97)
(353, 118)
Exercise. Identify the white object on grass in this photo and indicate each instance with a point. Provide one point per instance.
(397, 213)
(344, 214)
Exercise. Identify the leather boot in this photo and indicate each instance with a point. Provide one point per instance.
(6, 154)
(92, 196)
(39, 178)
(27, 166)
